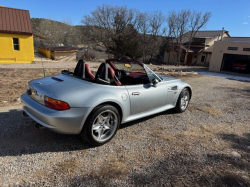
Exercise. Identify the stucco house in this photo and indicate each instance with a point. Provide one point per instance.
(200, 50)
(231, 54)
(16, 38)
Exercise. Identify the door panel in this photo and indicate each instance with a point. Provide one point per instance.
(146, 97)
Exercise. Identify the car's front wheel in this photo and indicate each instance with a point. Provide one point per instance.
(102, 125)
(183, 101)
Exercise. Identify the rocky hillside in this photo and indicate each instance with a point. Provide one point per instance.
(53, 33)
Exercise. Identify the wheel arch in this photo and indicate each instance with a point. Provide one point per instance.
(114, 104)
(190, 91)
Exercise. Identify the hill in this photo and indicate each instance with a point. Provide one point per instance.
(56, 33)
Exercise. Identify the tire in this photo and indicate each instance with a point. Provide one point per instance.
(101, 126)
(183, 101)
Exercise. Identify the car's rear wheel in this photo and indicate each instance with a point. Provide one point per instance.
(101, 126)
(183, 101)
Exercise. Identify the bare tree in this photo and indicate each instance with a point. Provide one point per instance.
(197, 21)
(144, 30)
(178, 24)
(111, 26)
(182, 22)
(152, 31)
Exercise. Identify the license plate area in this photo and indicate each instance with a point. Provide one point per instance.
(32, 93)
(35, 95)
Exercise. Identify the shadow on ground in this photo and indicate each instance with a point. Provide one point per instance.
(20, 136)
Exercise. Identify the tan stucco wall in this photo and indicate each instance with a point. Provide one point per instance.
(197, 60)
(217, 38)
(220, 48)
(172, 58)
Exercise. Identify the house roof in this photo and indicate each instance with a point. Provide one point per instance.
(209, 49)
(204, 34)
(15, 21)
(236, 39)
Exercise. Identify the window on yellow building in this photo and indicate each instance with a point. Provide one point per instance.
(16, 44)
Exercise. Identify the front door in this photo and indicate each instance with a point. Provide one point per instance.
(146, 97)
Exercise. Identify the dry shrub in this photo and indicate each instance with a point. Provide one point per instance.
(113, 169)
(67, 166)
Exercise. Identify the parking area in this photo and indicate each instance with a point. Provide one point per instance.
(208, 145)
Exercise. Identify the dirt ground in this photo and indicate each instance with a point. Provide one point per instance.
(208, 145)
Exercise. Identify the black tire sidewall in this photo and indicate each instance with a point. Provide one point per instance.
(178, 105)
(87, 129)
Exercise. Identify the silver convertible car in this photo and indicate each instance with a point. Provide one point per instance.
(95, 105)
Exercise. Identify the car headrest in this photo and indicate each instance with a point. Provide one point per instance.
(102, 72)
(80, 69)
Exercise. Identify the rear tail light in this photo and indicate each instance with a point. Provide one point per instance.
(55, 104)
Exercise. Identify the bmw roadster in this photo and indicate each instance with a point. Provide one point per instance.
(94, 106)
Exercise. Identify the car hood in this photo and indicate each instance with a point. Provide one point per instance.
(165, 78)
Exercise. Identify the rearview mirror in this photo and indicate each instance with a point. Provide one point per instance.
(155, 82)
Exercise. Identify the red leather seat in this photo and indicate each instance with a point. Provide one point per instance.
(88, 73)
(82, 70)
(111, 75)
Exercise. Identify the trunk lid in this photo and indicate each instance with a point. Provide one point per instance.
(50, 86)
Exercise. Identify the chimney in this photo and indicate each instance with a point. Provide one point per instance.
(1, 6)
(222, 34)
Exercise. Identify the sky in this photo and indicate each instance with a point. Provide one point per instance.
(233, 15)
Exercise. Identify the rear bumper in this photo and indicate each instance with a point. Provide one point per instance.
(66, 122)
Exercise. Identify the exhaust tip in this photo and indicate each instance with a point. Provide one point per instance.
(38, 126)
(24, 113)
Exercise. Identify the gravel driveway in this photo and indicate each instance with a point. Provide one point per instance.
(208, 145)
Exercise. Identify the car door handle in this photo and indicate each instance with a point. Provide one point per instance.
(135, 93)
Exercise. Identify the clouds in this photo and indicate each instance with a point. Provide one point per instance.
(246, 23)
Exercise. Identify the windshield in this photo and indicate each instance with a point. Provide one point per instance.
(133, 66)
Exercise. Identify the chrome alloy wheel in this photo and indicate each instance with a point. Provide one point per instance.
(104, 126)
(184, 100)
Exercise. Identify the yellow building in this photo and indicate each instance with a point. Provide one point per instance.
(16, 38)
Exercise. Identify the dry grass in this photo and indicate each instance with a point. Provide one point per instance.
(113, 169)
(67, 166)
(14, 82)
(207, 109)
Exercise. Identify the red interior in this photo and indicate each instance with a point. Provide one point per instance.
(88, 73)
(111, 75)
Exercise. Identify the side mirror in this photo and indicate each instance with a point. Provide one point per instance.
(155, 82)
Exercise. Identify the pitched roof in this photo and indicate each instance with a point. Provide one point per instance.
(204, 34)
(236, 39)
(15, 21)
(209, 49)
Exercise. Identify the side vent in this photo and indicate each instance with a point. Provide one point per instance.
(174, 87)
